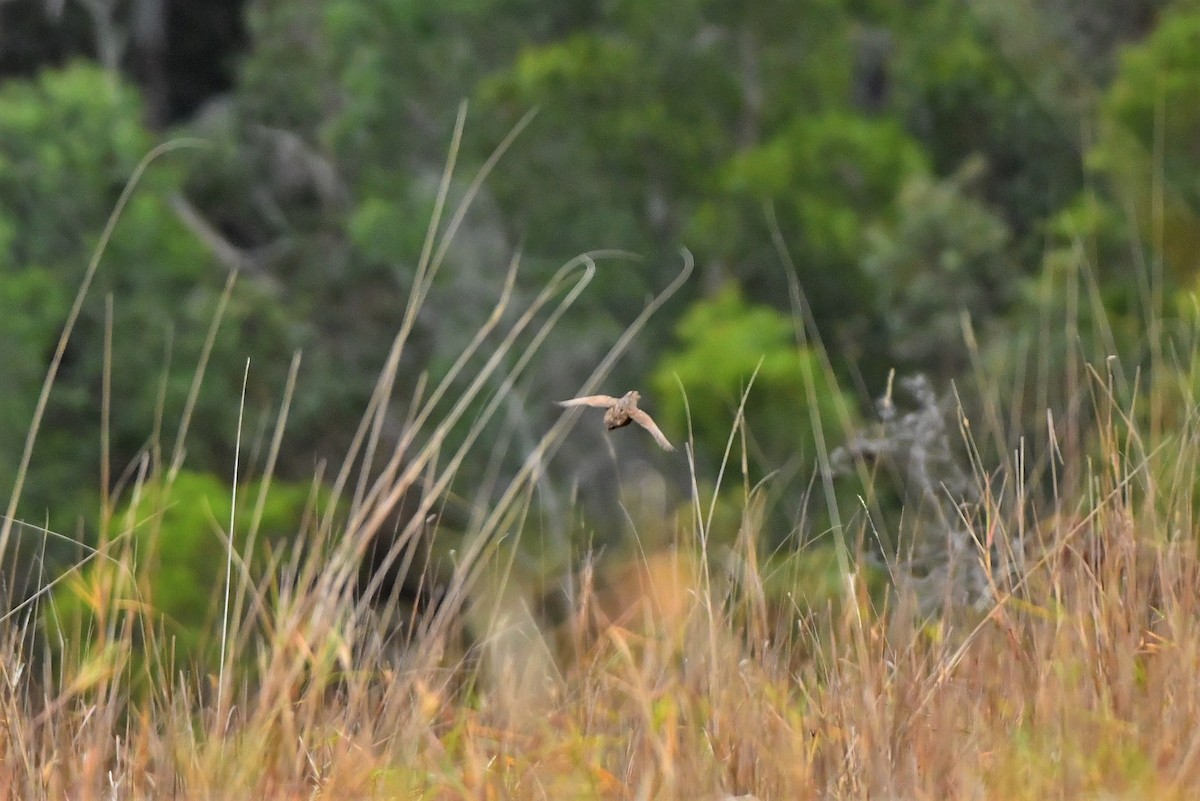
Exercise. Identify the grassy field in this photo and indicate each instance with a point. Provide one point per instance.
(670, 679)
(1070, 671)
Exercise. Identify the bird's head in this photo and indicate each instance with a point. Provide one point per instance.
(634, 395)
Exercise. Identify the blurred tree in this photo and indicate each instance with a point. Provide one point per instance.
(963, 92)
(945, 254)
(827, 135)
(824, 180)
(657, 123)
(722, 341)
(68, 143)
(722, 344)
(638, 112)
(1095, 29)
(324, 178)
(1148, 148)
(179, 54)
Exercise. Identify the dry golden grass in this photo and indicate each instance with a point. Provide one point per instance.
(1076, 678)
(1081, 684)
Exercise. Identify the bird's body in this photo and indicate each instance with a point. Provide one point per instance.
(620, 412)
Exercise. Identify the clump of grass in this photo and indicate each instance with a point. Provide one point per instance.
(677, 676)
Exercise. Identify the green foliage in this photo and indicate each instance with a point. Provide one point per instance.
(1148, 149)
(722, 342)
(621, 131)
(65, 133)
(375, 83)
(826, 137)
(639, 115)
(325, 174)
(963, 93)
(946, 254)
(175, 536)
(68, 143)
(1156, 96)
(25, 341)
(825, 175)
(826, 180)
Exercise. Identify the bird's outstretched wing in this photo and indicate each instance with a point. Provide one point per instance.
(644, 420)
(602, 401)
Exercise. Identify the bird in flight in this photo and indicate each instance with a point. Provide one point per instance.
(621, 412)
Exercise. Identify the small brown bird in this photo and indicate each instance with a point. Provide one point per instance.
(621, 412)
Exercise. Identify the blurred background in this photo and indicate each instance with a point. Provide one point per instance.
(980, 192)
